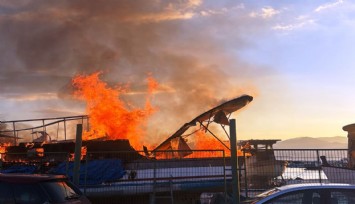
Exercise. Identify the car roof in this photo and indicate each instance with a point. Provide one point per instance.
(315, 185)
(29, 178)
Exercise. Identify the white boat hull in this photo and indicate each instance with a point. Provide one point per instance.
(270, 169)
(163, 180)
(206, 178)
(339, 174)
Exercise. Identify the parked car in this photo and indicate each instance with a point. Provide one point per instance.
(38, 189)
(309, 193)
(217, 198)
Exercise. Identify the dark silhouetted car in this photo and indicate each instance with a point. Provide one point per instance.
(316, 193)
(38, 189)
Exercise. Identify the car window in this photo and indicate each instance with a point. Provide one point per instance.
(298, 197)
(6, 195)
(342, 196)
(28, 193)
(60, 191)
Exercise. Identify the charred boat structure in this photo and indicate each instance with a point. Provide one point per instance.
(171, 167)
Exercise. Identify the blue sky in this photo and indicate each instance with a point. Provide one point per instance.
(294, 57)
(312, 53)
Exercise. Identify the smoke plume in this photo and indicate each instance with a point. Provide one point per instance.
(180, 43)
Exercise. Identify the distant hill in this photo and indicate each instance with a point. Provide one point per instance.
(337, 142)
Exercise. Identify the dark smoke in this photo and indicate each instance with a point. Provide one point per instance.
(47, 42)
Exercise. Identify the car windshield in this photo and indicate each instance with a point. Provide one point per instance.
(60, 191)
(263, 195)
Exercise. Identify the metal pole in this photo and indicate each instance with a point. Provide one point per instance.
(77, 154)
(234, 160)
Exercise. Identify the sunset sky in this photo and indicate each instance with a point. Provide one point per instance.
(294, 57)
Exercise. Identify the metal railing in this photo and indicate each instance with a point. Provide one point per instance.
(164, 179)
(18, 129)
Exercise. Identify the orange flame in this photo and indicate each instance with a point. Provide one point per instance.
(2, 150)
(111, 117)
(204, 141)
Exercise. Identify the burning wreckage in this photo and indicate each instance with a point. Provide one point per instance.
(171, 166)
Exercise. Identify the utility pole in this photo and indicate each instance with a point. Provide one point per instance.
(77, 154)
(234, 160)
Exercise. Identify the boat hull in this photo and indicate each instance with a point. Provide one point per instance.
(198, 175)
(271, 169)
(339, 174)
(164, 180)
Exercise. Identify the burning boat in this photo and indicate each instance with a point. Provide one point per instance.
(171, 166)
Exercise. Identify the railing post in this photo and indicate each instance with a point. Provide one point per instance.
(245, 175)
(43, 129)
(225, 177)
(67, 165)
(319, 169)
(65, 130)
(86, 170)
(14, 129)
(1, 158)
(152, 195)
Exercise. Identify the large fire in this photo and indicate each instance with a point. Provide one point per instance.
(110, 116)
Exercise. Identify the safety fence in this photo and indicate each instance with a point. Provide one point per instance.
(306, 166)
(204, 176)
(164, 177)
(131, 176)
